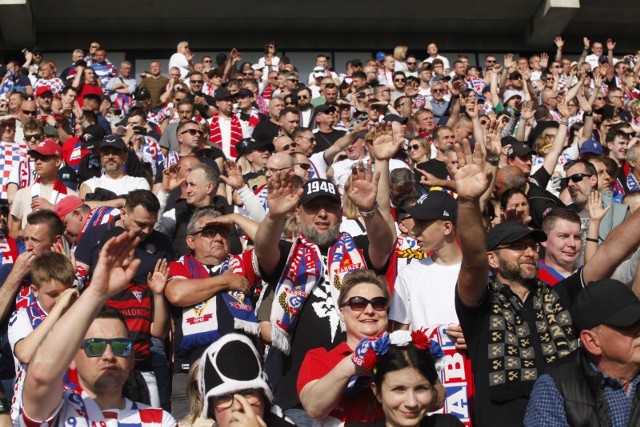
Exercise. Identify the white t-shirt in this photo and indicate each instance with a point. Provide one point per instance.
(22, 201)
(120, 186)
(180, 61)
(424, 294)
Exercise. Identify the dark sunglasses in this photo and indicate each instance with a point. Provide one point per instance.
(304, 166)
(600, 98)
(360, 303)
(29, 137)
(212, 231)
(196, 81)
(414, 147)
(400, 80)
(411, 63)
(303, 97)
(95, 347)
(291, 145)
(437, 90)
(293, 81)
(490, 61)
(29, 112)
(248, 74)
(576, 177)
(192, 132)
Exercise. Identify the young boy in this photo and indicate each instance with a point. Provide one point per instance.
(52, 275)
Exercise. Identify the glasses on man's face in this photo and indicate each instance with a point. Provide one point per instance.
(437, 90)
(192, 132)
(400, 80)
(293, 81)
(600, 98)
(30, 136)
(290, 145)
(211, 232)
(197, 82)
(490, 61)
(411, 63)
(289, 103)
(29, 112)
(303, 96)
(309, 138)
(248, 74)
(226, 401)
(522, 246)
(95, 347)
(360, 303)
(303, 166)
(207, 61)
(576, 177)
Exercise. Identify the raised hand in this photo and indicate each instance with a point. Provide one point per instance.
(583, 103)
(234, 175)
(508, 61)
(385, 144)
(171, 179)
(544, 60)
(586, 43)
(526, 112)
(428, 179)
(362, 188)
(596, 211)
(283, 197)
(515, 214)
(559, 42)
(470, 178)
(157, 279)
(563, 109)
(471, 107)
(611, 44)
(493, 139)
(116, 264)
(65, 300)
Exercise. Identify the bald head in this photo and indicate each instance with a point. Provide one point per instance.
(509, 177)
(280, 161)
(283, 143)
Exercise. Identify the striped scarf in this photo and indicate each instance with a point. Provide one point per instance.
(58, 193)
(302, 272)
(227, 145)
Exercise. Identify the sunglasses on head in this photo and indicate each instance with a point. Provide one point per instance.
(95, 347)
(576, 177)
(360, 303)
(191, 132)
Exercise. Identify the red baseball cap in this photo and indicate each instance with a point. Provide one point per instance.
(67, 205)
(47, 148)
(42, 90)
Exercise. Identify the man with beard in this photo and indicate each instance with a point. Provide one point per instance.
(308, 272)
(515, 325)
(226, 129)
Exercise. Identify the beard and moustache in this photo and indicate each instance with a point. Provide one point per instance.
(322, 239)
(517, 274)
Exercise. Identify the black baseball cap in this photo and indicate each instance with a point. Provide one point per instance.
(519, 148)
(319, 188)
(608, 302)
(222, 93)
(325, 108)
(395, 118)
(113, 141)
(509, 232)
(434, 205)
(247, 145)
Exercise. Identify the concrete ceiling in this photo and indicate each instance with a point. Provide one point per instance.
(330, 24)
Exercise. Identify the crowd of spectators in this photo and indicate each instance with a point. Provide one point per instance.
(364, 246)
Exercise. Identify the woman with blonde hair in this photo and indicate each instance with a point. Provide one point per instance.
(400, 55)
(418, 150)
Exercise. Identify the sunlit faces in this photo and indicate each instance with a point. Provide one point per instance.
(368, 322)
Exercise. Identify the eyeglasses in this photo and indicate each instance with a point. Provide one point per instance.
(304, 166)
(29, 137)
(303, 97)
(293, 81)
(437, 90)
(206, 60)
(411, 63)
(600, 98)
(94, 46)
(212, 231)
(312, 139)
(289, 103)
(198, 82)
(42, 158)
(248, 74)
(226, 401)
(95, 347)
(290, 145)
(29, 112)
(400, 80)
(192, 132)
(360, 303)
(576, 177)
(490, 61)
(414, 147)
(522, 246)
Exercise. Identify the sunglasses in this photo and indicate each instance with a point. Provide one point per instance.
(576, 177)
(304, 166)
(29, 137)
(522, 246)
(289, 103)
(414, 147)
(95, 347)
(29, 112)
(287, 146)
(437, 90)
(211, 232)
(247, 74)
(360, 303)
(411, 63)
(303, 97)
(490, 61)
(197, 81)
(600, 98)
(192, 132)
(293, 81)
(400, 80)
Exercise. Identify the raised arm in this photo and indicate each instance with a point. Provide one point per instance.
(342, 143)
(43, 387)
(471, 183)
(559, 45)
(283, 198)
(551, 159)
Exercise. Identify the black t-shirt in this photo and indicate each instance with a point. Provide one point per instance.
(540, 201)
(203, 110)
(318, 326)
(325, 140)
(475, 326)
(266, 130)
(435, 167)
(156, 246)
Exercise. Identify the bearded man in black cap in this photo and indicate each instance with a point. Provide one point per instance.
(515, 325)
